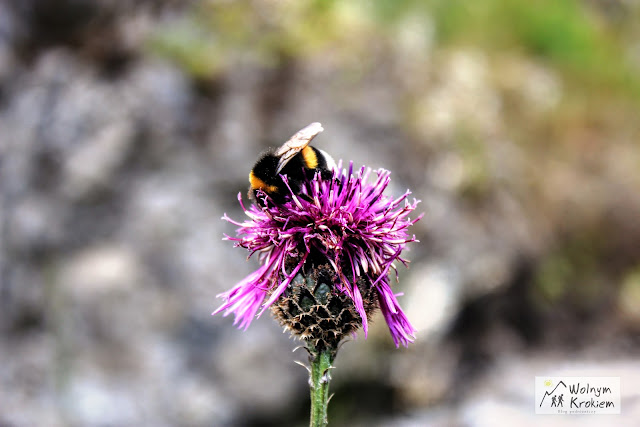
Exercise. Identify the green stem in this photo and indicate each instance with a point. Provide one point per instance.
(319, 382)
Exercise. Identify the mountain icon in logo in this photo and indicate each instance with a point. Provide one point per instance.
(546, 393)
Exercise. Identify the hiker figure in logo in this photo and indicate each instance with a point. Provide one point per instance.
(554, 403)
(560, 400)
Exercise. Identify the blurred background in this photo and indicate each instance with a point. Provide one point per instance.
(127, 129)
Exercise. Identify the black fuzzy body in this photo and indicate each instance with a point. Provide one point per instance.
(296, 170)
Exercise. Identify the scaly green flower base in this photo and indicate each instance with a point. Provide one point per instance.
(321, 362)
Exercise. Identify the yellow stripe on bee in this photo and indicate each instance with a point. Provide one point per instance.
(310, 158)
(258, 184)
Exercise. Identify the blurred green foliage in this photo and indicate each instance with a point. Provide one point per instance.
(568, 34)
(216, 35)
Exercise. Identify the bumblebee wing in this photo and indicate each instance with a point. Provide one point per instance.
(296, 143)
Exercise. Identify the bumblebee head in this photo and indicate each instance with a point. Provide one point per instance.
(264, 174)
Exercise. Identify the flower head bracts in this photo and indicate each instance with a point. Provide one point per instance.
(350, 222)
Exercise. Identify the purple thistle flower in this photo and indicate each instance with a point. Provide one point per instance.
(355, 228)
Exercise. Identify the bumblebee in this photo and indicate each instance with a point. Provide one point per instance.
(296, 159)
